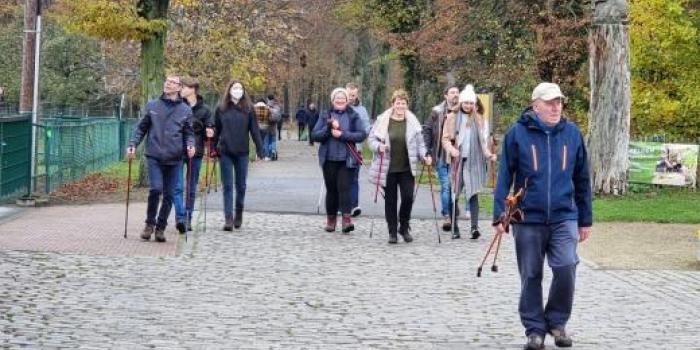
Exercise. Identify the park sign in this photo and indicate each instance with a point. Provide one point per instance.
(658, 163)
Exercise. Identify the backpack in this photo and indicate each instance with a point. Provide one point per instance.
(276, 115)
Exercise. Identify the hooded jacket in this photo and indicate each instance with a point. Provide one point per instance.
(352, 132)
(166, 124)
(232, 128)
(555, 164)
(201, 119)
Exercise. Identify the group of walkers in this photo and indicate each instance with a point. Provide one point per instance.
(543, 156)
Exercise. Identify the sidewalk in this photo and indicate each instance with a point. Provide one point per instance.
(89, 229)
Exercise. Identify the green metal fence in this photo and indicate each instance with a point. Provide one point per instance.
(71, 148)
(15, 157)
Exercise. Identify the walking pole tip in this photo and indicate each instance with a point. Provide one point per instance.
(478, 271)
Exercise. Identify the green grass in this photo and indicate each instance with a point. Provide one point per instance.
(662, 205)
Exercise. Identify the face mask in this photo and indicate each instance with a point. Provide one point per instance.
(237, 93)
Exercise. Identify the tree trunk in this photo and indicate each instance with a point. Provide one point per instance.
(152, 64)
(27, 89)
(609, 122)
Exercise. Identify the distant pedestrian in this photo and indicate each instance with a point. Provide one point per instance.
(312, 119)
(268, 128)
(275, 119)
(301, 117)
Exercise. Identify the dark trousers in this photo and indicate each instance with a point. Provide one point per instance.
(231, 164)
(183, 211)
(558, 243)
(337, 177)
(279, 130)
(405, 182)
(162, 179)
(300, 129)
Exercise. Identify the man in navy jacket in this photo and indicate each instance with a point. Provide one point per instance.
(546, 155)
(167, 126)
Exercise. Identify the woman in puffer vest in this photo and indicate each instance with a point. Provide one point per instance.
(397, 142)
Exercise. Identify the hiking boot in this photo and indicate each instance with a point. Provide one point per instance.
(160, 235)
(228, 225)
(404, 231)
(446, 223)
(180, 226)
(347, 223)
(147, 232)
(456, 235)
(330, 223)
(356, 211)
(393, 237)
(561, 339)
(475, 233)
(534, 342)
(238, 219)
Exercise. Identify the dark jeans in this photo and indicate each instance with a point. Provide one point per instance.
(395, 181)
(184, 210)
(558, 243)
(337, 177)
(279, 130)
(162, 179)
(474, 210)
(229, 164)
(300, 129)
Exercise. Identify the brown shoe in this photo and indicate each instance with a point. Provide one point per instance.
(147, 232)
(331, 221)
(160, 235)
(347, 223)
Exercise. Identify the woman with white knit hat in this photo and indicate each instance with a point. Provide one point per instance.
(465, 140)
(338, 130)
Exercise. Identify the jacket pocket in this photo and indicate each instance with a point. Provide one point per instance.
(534, 157)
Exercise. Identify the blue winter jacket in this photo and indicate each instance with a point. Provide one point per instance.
(167, 126)
(353, 131)
(555, 164)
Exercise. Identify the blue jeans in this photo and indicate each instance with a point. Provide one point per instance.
(443, 173)
(229, 164)
(269, 142)
(184, 210)
(558, 243)
(355, 188)
(162, 179)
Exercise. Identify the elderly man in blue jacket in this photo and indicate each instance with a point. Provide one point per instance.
(546, 154)
(167, 126)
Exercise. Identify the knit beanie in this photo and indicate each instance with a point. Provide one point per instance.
(468, 94)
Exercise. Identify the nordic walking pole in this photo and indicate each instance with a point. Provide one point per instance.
(206, 180)
(494, 267)
(128, 191)
(415, 191)
(493, 240)
(320, 197)
(455, 192)
(376, 191)
(432, 196)
(188, 187)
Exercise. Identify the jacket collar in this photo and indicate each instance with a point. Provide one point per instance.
(531, 120)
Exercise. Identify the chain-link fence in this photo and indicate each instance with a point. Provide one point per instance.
(15, 157)
(70, 148)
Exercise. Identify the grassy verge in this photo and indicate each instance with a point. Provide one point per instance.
(661, 205)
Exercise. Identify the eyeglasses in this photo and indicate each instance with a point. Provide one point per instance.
(173, 81)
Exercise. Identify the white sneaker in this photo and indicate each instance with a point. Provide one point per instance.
(267, 159)
(356, 211)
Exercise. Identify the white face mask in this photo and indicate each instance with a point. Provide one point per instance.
(236, 92)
